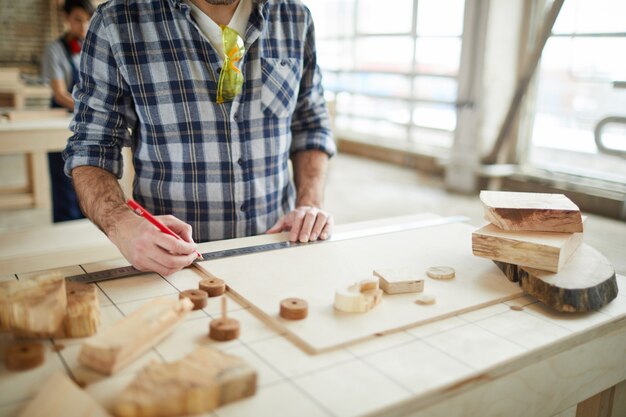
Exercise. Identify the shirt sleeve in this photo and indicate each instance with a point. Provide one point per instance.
(311, 128)
(52, 67)
(104, 110)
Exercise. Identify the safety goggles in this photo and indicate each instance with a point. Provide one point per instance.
(231, 78)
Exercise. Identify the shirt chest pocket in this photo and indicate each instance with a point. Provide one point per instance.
(280, 84)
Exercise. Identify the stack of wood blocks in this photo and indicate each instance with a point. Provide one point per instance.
(537, 240)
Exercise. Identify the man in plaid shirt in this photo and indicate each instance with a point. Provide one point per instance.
(151, 78)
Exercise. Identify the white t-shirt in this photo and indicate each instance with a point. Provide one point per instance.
(212, 30)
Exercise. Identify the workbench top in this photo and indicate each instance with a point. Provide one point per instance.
(490, 362)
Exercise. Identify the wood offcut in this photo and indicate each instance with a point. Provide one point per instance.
(400, 280)
(537, 212)
(199, 298)
(118, 345)
(24, 356)
(359, 297)
(82, 316)
(33, 307)
(587, 282)
(200, 382)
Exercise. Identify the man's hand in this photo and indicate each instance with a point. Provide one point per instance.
(304, 224)
(148, 249)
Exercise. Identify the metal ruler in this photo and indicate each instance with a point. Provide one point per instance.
(127, 271)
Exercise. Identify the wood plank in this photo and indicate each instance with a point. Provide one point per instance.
(298, 272)
(120, 344)
(59, 396)
(400, 280)
(33, 307)
(542, 250)
(600, 405)
(82, 316)
(539, 212)
(587, 282)
(200, 382)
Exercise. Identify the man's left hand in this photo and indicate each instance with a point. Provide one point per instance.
(304, 224)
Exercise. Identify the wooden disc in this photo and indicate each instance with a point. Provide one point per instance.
(212, 286)
(199, 298)
(23, 356)
(425, 299)
(294, 309)
(440, 272)
(224, 329)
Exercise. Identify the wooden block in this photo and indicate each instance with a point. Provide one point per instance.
(117, 346)
(23, 356)
(399, 280)
(200, 382)
(212, 286)
(199, 298)
(82, 316)
(542, 250)
(33, 307)
(531, 212)
(586, 282)
(59, 396)
(359, 297)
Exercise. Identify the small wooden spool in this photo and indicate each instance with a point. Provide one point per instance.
(224, 328)
(199, 298)
(23, 356)
(294, 309)
(212, 286)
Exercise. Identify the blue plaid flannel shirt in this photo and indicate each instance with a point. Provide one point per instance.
(148, 80)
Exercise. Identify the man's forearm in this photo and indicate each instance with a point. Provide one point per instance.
(100, 196)
(309, 169)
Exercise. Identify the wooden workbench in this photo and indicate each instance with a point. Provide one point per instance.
(494, 361)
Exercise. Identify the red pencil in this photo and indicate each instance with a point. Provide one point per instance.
(136, 207)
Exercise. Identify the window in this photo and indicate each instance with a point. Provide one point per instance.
(578, 86)
(392, 68)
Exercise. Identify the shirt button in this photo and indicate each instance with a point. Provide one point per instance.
(283, 62)
(240, 161)
(236, 116)
(243, 207)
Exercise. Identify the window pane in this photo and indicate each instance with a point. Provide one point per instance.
(436, 116)
(440, 17)
(435, 88)
(396, 111)
(432, 138)
(437, 56)
(371, 128)
(390, 16)
(383, 84)
(334, 54)
(591, 16)
(391, 53)
(332, 18)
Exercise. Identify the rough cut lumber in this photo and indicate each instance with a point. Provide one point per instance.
(537, 212)
(82, 316)
(542, 250)
(33, 307)
(200, 382)
(59, 396)
(399, 280)
(118, 345)
(359, 297)
(586, 282)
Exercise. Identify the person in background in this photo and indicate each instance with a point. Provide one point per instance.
(60, 68)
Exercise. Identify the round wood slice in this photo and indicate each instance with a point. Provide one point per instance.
(23, 356)
(224, 329)
(440, 272)
(294, 309)
(199, 298)
(212, 286)
(426, 299)
(586, 282)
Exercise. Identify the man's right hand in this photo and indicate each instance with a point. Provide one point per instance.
(148, 249)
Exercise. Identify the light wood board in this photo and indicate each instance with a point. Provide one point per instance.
(314, 272)
(548, 251)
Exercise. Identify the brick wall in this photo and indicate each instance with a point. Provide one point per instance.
(25, 28)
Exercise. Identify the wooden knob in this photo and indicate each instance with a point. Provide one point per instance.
(224, 329)
(23, 356)
(212, 286)
(294, 309)
(199, 298)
